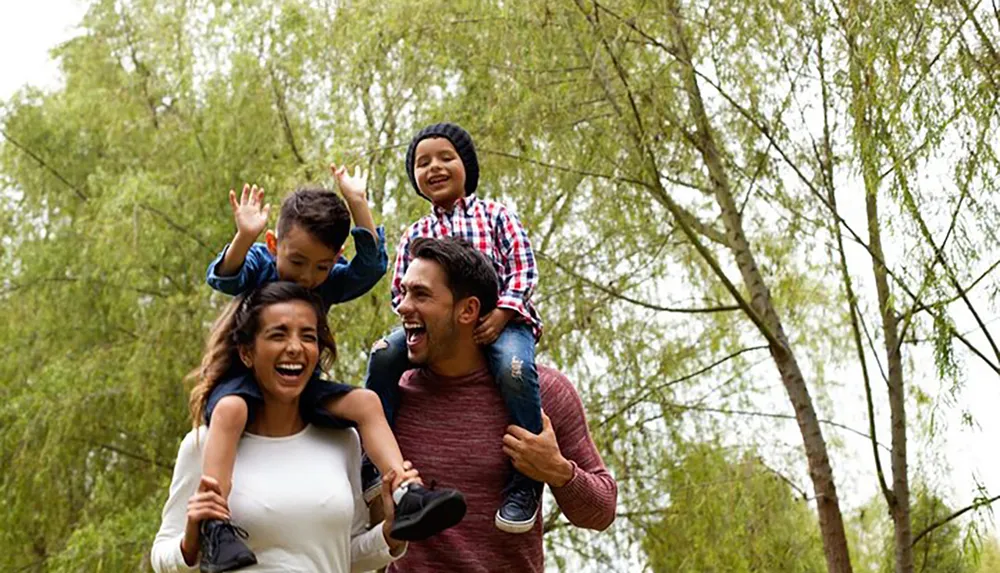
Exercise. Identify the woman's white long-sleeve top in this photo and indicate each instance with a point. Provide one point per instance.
(299, 498)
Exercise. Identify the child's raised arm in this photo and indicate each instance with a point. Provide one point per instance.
(354, 189)
(251, 219)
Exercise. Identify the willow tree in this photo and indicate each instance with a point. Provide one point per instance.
(679, 193)
(114, 189)
(729, 132)
(731, 512)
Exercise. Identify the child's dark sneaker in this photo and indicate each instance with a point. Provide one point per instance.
(371, 480)
(222, 547)
(421, 512)
(518, 512)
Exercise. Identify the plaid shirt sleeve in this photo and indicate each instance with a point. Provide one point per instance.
(520, 270)
(399, 269)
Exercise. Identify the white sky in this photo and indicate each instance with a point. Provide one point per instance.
(28, 29)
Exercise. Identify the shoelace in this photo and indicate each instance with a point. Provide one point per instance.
(219, 536)
(523, 498)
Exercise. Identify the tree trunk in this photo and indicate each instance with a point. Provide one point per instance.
(828, 506)
(899, 503)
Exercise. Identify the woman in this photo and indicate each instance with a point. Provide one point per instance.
(296, 486)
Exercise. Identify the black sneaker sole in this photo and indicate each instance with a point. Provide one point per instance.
(440, 514)
(239, 563)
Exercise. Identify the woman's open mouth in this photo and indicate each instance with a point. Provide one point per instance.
(290, 372)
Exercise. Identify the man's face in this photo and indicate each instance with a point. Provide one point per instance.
(428, 312)
(302, 258)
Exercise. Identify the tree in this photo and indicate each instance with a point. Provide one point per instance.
(945, 549)
(686, 171)
(731, 512)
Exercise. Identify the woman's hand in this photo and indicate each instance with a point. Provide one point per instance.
(206, 503)
(390, 481)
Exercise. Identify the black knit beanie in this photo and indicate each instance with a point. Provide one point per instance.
(463, 145)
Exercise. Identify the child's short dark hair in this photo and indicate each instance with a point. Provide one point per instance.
(320, 212)
(469, 272)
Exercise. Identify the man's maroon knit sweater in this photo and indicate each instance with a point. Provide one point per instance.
(452, 431)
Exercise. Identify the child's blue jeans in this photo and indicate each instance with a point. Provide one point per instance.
(511, 360)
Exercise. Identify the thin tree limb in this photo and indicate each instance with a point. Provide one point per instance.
(616, 294)
(79, 192)
(955, 515)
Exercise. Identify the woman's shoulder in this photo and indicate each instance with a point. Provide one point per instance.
(193, 440)
(346, 437)
(343, 444)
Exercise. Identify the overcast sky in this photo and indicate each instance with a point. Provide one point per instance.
(28, 29)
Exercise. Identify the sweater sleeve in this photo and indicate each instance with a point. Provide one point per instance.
(590, 497)
(369, 550)
(166, 556)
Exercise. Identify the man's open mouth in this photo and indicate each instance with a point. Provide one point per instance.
(437, 179)
(415, 333)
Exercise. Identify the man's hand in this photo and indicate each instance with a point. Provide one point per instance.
(251, 217)
(491, 325)
(352, 187)
(538, 456)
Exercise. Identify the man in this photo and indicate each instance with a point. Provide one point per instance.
(452, 422)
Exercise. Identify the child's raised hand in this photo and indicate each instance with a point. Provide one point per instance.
(352, 187)
(250, 215)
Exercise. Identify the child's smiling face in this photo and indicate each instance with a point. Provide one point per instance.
(439, 171)
(301, 257)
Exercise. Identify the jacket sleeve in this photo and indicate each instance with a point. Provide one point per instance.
(350, 279)
(249, 276)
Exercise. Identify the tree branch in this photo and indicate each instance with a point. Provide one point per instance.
(643, 395)
(176, 226)
(614, 293)
(975, 505)
(79, 192)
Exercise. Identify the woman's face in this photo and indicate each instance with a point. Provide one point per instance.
(285, 350)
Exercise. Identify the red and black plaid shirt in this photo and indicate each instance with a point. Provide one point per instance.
(496, 232)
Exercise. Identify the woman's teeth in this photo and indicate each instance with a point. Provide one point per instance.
(289, 369)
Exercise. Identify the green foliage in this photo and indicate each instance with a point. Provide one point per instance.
(729, 512)
(945, 549)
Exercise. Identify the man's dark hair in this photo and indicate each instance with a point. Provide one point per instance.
(320, 212)
(469, 272)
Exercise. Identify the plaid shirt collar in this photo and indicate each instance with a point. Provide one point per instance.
(463, 205)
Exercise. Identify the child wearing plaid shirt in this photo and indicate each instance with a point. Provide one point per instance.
(442, 166)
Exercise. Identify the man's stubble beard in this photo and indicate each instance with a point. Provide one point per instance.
(443, 344)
